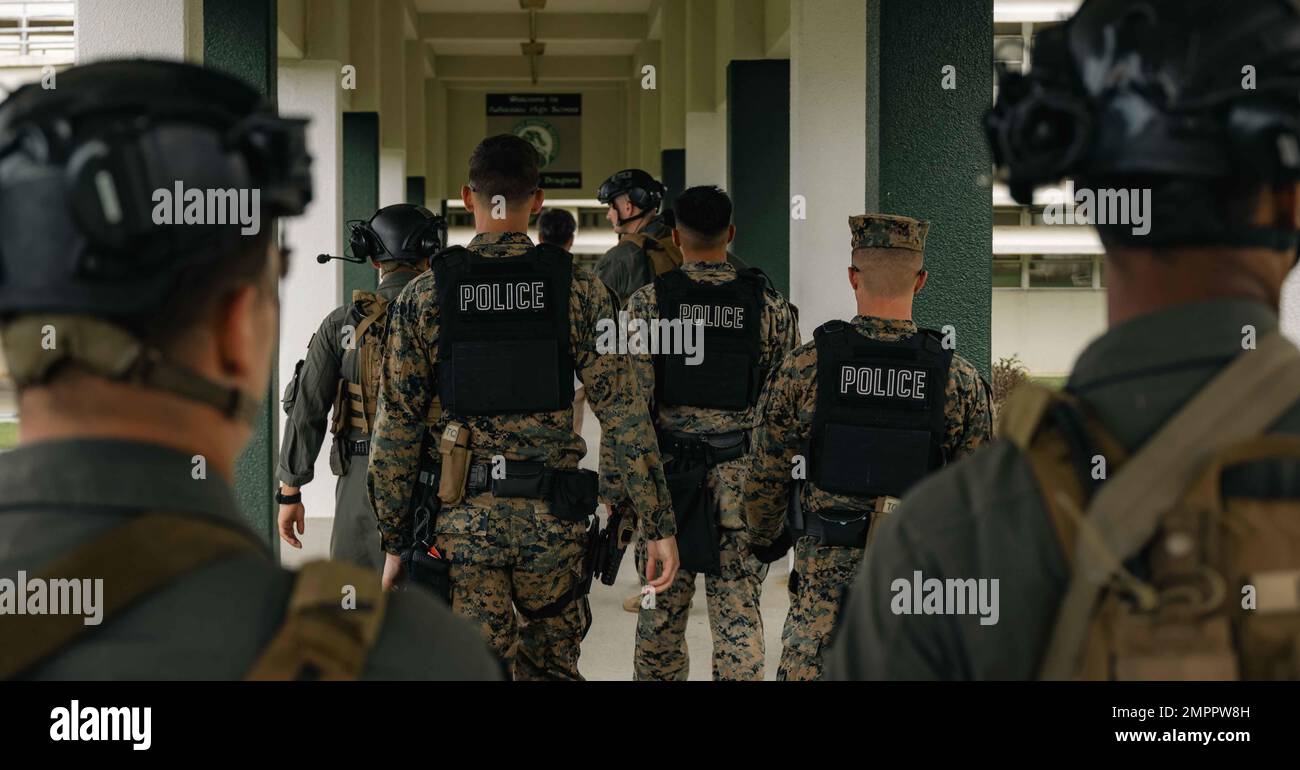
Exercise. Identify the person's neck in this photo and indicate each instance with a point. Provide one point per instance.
(704, 255)
(888, 308)
(1142, 282)
(514, 222)
(75, 407)
(638, 224)
(390, 272)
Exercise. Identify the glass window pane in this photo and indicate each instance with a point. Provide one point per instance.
(1060, 272)
(1006, 272)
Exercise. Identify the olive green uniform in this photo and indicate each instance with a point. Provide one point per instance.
(821, 573)
(212, 623)
(985, 518)
(354, 536)
(733, 595)
(627, 267)
(510, 552)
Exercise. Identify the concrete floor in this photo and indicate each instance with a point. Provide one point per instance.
(607, 650)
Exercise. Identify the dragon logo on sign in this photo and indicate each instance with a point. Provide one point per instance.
(542, 136)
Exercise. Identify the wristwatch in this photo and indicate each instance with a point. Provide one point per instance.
(284, 499)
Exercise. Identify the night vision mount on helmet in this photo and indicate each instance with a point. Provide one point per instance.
(1192, 89)
(81, 246)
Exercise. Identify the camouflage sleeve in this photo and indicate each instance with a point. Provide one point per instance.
(781, 332)
(776, 440)
(307, 422)
(643, 305)
(967, 410)
(406, 388)
(619, 269)
(627, 435)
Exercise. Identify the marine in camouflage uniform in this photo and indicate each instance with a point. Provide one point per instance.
(821, 572)
(308, 399)
(733, 596)
(508, 551)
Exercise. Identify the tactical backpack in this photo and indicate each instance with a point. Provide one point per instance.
(1218, 595)
(664, 255)
(355, 402)
(318, 638)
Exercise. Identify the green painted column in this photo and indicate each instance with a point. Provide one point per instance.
(758, 159)
(926, 153)
(239, 37)
(673, 168)
(360, 188)
(415, 190)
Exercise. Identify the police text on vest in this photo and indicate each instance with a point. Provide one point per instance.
(496, 297)
(880, 381)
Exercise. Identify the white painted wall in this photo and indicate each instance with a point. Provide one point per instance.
(706, 148)
(311, 291)
(828, 151)
(1046, 328)
(161, 29)
(392, 176)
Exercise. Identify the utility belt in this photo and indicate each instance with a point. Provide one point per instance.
(692, 455)
(838, 527)
(572, 494)
(708, 449)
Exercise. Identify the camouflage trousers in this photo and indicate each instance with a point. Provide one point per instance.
(734, 619)
(821, 575)
(511, 558)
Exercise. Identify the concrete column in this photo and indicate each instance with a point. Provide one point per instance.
(648, 112)
(363, 53)
(159, 29)
(311, 290)
(415, 143)
(828, 69)
(435, 158)
(706, 143)
(360, 187)
(760, 165)
(672, 76)
(392, 175)
(392, 73)
(926, 152)
(239, 37)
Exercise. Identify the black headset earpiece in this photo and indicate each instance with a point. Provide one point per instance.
(363, 242)
(429, 239)
(1265, 139)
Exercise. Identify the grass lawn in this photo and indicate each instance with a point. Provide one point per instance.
(8, 435)
(1055, 383)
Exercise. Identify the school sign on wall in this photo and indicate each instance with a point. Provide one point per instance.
(550, 122)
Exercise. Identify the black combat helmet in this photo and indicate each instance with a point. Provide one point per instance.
(88, 168)
(643, 190)
(113, 185)
(403, 232)
(1194, 90)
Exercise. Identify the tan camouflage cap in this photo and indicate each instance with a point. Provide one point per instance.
(888, 231)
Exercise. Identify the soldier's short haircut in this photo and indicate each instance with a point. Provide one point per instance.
(556, 226)
(504, 165)
(703, 215)
(888, 272)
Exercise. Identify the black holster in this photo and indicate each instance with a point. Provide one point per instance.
(422, 567)
(699, 542)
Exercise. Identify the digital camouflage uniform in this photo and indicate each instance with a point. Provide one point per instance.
(627, 267)
(986, 519)
(510, 551)
(733, 597)
(821, 573)
(354, 536)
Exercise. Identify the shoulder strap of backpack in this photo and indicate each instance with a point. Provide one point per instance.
(1241, 402)
(333, 620)
(134, 559)
(663, 254)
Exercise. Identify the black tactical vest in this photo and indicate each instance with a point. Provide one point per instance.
(724, 371)
(504, 340)
(879, 423)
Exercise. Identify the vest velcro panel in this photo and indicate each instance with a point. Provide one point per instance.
(504, 339)
(725, 373)
(879, 423)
